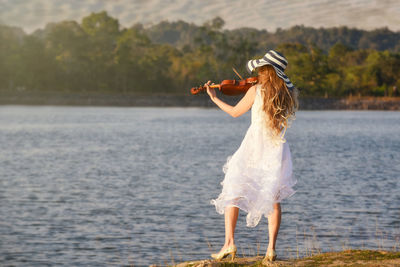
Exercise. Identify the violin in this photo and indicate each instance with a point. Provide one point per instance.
(229, 87)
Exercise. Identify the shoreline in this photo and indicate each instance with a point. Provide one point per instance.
(341, 258)
(170, 100)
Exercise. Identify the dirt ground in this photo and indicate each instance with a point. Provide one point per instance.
(353, 258)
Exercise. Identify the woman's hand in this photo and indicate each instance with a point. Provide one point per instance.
(210, 91)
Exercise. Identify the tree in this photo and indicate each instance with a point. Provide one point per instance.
(103, 32)
(11, 40)
(68, 45)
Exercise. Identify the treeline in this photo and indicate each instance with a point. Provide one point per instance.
(99, 56)
(181, 33)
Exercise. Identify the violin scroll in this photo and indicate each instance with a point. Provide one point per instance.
(197, 90)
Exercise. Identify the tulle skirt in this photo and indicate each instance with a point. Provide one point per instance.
(257, 175)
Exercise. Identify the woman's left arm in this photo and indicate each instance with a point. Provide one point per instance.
(240, 108)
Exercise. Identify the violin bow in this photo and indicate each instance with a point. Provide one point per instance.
(237, 73)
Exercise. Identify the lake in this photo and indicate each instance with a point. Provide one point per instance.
(103, 186)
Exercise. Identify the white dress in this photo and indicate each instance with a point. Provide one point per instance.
(259, 173)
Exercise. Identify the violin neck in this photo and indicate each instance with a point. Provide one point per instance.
(213, 86)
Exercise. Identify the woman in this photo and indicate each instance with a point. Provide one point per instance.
(258, 176)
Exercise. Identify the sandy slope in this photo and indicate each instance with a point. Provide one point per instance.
(345, 258)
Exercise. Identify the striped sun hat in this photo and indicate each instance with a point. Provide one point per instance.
(276, 60)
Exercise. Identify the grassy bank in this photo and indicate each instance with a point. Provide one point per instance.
(354, 258)
(170, 100)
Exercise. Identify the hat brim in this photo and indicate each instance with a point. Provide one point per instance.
(255, 63)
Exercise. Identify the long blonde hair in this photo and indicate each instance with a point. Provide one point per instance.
(279, 103)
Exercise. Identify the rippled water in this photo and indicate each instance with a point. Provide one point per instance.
(84, 186)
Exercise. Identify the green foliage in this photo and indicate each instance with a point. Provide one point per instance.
(96, 55)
